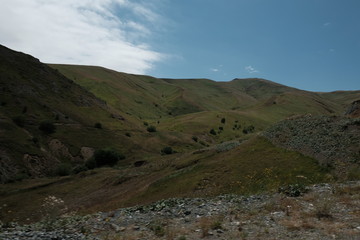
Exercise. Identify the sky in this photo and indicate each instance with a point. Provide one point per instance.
(308, 44)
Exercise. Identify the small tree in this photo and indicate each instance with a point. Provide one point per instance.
(167, 150)
(212, 131)
(151, 128)
(107, 157)
(47, 127)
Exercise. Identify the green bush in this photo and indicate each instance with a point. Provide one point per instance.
(98, 125)
(128, 134)
(151, 128)
(64, 169)
(106, 157)
(90, 163)
(212, 131)
(195, 138)
(47, 127)
(167, 150)
(293, 190)
(248, 129)
(223, 120)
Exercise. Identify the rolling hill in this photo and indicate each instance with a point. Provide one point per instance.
(215, 131)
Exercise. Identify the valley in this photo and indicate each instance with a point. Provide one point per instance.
(171, 138)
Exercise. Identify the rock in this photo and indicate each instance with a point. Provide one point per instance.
(115, 227)
(87, 153)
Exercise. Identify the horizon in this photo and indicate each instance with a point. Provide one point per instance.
(308, 45)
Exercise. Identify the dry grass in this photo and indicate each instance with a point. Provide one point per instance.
(210, 223)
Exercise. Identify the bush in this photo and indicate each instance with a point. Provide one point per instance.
(90, 163)
(98, 125)
(106, 157)
(151, 128)
(293, 190)
(128, 134)
(19, 121)
(146, 124)
(47, 127)
(212, 131)
(64, 169)
(221, 128)
(195, 138)
(167, 150)
(223, 120)
(248, 129)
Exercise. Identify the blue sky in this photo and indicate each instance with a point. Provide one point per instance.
(308, 44)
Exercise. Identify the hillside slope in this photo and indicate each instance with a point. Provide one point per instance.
(209, 130)
(31, 93)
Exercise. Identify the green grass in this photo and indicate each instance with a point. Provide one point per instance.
(253, 167)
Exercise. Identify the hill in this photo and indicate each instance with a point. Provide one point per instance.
(179, 137)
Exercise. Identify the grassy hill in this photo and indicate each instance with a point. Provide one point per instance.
(213, 129)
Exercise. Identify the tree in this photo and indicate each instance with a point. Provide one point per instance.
(105, 157)
(151, 128)
(212, 131)
(167, 150)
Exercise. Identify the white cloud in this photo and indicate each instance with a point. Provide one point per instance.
(214, 69)
(250, 69)
(91, 32)
(327, 24)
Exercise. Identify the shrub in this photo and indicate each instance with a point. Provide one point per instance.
(167, 150)
(47, 127)
(223, 120)
(151, 128)
(128, 134)
(106, 157)
(91, 163)
(221, 128)
(248, 129)
(195, 138)
(64, 169)
(212, 131)
(293, 190)
(98, 125)
(19, 121)
(146, 124)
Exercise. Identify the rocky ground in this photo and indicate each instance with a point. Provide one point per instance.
(333, 141)
(325, 211)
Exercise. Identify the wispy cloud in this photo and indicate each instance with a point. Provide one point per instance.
(251, 69)
(327, 24)
(214, 69)
(109, 33)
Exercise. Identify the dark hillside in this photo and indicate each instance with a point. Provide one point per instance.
(33, 95)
